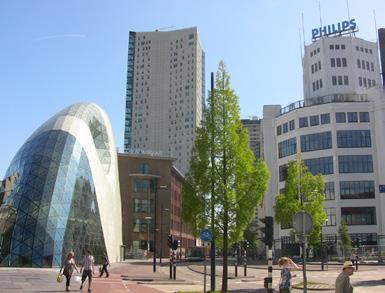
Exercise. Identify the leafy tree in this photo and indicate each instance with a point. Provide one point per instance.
(346, 240)
(303, 191)
(224, 185)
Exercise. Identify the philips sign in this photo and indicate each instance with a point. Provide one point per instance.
(340, 28)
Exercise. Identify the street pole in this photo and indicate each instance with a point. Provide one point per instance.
(161, 234)
(322, 253)
(155, 212)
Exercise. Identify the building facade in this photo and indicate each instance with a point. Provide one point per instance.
(338, 129)
(65, 193)
(253, 126)
(151, 205)
(165, 93)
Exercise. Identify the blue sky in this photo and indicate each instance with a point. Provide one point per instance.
(55, 53)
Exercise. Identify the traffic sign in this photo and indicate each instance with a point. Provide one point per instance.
(206, 235)
(303, 223)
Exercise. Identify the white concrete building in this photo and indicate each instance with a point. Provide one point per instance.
(339, 130)
(165, 93)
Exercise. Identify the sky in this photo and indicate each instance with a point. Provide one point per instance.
(54, 53)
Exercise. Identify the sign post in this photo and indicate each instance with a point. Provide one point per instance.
(206, 236)
(303, 225)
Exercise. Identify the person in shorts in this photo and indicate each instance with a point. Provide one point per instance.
(88, 269)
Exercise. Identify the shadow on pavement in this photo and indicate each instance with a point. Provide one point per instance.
(369, 283)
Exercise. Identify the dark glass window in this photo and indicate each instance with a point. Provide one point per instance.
(316, 141)
(340, 117)
(353, 138)
(143, 206)
(279, 130)
(329, 190)
(357, 189)
(285, 127)
(331, 47)
(344, 63)
(352, 117)
(338, 62)
(340, 80)
(364, 117)
(303, 122)
(291, 124)
(142, 225)
(323, 165)
(359, 215)
(331, 216)
(314, 120)
(144, 185)
(287, 147)
(334, 80)
(325, 118)
(358, 63)
(333, 62)
(144, 168)
(355, 164)
(346, 80)
(283, 172)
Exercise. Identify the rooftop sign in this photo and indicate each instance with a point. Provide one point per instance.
(340, 28)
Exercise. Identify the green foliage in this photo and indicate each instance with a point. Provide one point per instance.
(346, 240)
(300, 181)
(223, 173)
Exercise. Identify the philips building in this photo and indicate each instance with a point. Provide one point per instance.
(65, 192)
(339, 130)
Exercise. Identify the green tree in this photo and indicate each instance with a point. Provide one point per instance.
(345, 239)
(303, 191)
(224, 185)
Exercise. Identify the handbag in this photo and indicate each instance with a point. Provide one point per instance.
(100, 270)
(59, 278)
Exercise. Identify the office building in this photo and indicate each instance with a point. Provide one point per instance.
(253, 126)
(165, 93)
(61, 192)
(339, 131)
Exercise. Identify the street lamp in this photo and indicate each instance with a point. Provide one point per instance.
(322, 250)
(161, 231)
(148, 218)
(155, 212)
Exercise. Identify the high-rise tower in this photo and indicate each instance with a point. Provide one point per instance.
(165, 93)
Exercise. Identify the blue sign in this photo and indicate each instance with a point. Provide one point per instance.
(334, 29)
(382, 188)
(206, 235)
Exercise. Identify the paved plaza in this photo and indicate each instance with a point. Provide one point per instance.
(137, 277)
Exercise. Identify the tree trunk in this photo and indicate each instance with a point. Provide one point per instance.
(225, 252)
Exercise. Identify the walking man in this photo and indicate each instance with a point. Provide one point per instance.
(343, 280)
(88, 269)
(106, 263)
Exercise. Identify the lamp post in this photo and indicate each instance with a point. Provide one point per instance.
(322, 250)
(161, 232)
(148, 218)
(155, 212)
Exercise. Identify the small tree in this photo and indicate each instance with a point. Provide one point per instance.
(303, 191)
(345, 239)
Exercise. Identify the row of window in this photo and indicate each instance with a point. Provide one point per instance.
(324, 165)
(352, 216)
(285, 127)
(338, 62)
(340, 80)
(351, 190)
(362, 49)
(314, 120)
(365, 65)
(352, 117)
(313, 53)
(317, 84)
(337, 46)
(366, 82)
(315, 67)
(323, 140)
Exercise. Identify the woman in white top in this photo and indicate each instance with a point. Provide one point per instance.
(68, 267)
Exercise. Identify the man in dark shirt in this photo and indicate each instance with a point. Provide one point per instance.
(343, 280)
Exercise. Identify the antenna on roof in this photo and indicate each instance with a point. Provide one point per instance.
(320, 14)
(375, 24)
(347, 7)
(303, 30)
(164, 28)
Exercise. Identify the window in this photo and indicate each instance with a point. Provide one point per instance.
(352, 117)
(333, 62)
(282, 172)
(312, 68)
(337, 47)
(291, 124)
(346, 80)
(143, 206)
(357, 189)
(144, 168)
(363, 64)
(340, 117)
(331, 216)
(314, 86)
(285, 127)
(343, 47)
(365, 84)
(329, 190)
(320, 83)
(331, 47)
(303, 122)
(142, 225)
(319, 65)
(316, 141)
(360, 81)
(359, 215)
(338, 62)
(367, 65)
(325, 118)
(355, 164)
(353, 138)
(344, 62)
(364, 116)
(334, 80)
(287, 147)
(358, 63)
(314, 120)
(279, 130)
(340, 80)
(144, 185)
(323, 165)
(372, 66)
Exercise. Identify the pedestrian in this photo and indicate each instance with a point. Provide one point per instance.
(287, 266)
(354, 259)
(343, 280)
(88, 269)
(68, 267)
(105, 263)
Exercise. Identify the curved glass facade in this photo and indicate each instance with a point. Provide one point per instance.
(53, 207)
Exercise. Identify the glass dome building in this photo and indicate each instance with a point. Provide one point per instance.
(66, 193)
